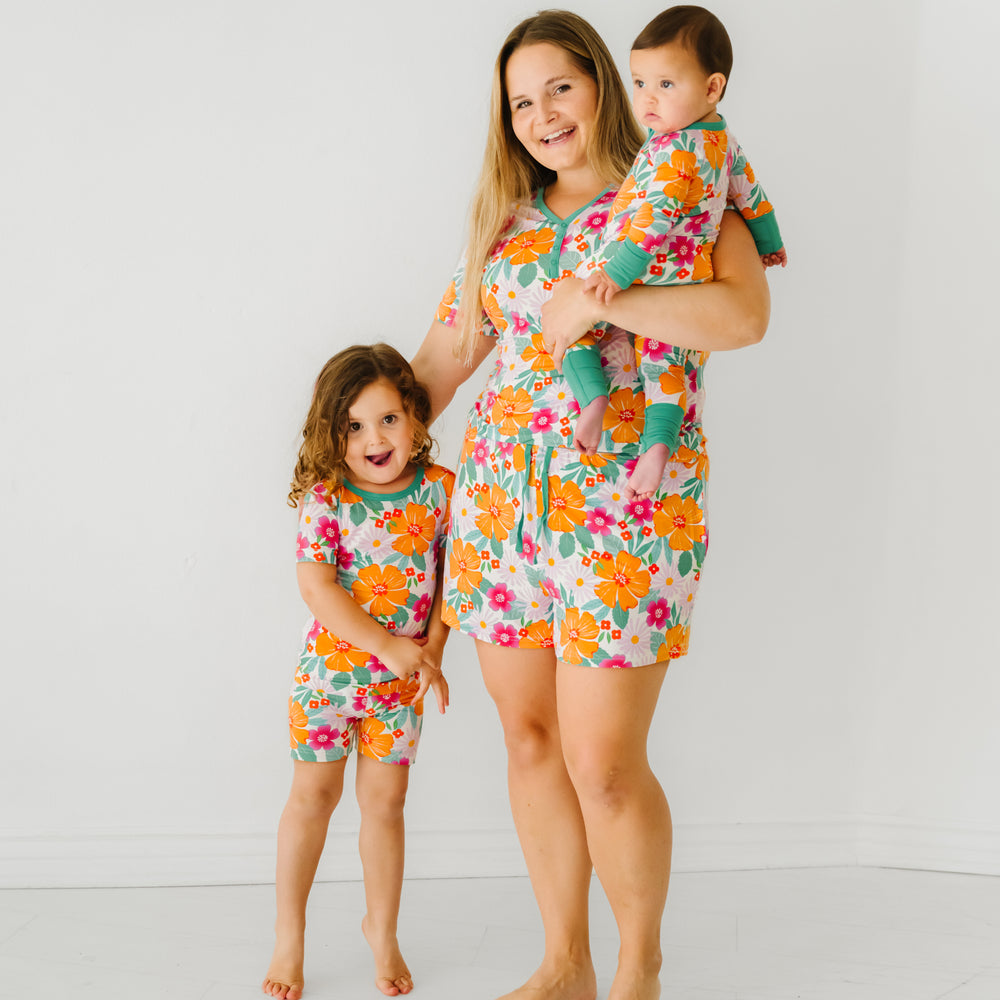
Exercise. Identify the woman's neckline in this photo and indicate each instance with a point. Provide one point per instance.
(565, 220)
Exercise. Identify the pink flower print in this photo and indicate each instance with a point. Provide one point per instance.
(422, 608)
(655, 349)
(692, 379)
(302, 544)
(682, 249)
(640, 510)
(506, 448)
(520, 323)
(549, 588)
(500, 597)
(566, 244)
(528, 547)
(658, 613)
(314, 630)
(323, 738)
(504, 635)
(328, 530)
(345, 559)
(574, 407)
(696, 223)
(688, 421)
(600, 522)
(614, 663)
(662, 139)
(481, 453)
(390, 700)
(597, 220)
(606, 197)
(653, 242)
(544, 420)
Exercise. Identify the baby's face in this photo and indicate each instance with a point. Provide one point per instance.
(670, 90)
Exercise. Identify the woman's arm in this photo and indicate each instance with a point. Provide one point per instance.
(436, 366)
(729, 312)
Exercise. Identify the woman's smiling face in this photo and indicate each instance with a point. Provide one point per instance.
(553, 105)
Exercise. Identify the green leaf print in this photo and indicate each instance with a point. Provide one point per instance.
(358, 513)
(620, 615)
(567, 545)
(527, 275)
(583, 536)
(698, 549)
(362, 675)
(684, 564)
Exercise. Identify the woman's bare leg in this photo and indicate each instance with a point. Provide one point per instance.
(316, 790)
(381, 791)
(547, 816)
(605, 717)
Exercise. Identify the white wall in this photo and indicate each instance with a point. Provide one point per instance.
(197, 202)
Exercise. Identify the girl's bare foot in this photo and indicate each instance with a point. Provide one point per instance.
(392, 976)
(647, 473)
(284, 977)
(590, 426)
(572, 982)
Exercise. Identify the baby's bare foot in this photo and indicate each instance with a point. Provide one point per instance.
(590, 426)
(284, 977)
(647, 473)
(392, 976)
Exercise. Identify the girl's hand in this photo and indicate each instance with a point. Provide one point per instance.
(567, 316)
(433, 678)
(402, 655)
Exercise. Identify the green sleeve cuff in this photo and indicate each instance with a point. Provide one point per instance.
(627, 263)
(583, 371)
(663, 426)
(764, 230)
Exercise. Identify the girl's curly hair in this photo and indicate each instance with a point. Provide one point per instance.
(324, 434)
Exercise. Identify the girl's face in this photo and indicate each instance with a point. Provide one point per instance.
(379, 440)
(553, 105)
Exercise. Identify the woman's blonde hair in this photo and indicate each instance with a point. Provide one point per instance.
(324, 434)
(510, 174)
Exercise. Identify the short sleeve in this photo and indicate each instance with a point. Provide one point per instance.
(447, 311)
(447, 485)
(319, 529)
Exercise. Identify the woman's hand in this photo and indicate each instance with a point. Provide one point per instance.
(567, 316)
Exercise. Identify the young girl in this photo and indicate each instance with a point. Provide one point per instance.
(373, 515)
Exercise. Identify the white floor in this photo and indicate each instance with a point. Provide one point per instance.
(816, 934)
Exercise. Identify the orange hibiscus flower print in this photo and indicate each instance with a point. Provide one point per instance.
(374, 740)
(463, 565)
(527, 247)
(340, 654)
(672, 383)
(762, 209)
(701, 269)
(444, 311)
(298, 724)
(416, 527)
(492, 308)
(449, 616)
(675, 644)
(680, 521)
(566, 502)
(680, 178)
(625, 580)
(535, 353)
(578, 632)
(641, 220)
(384, 586)
(537, 635)
(716, 144)
(511, 410)
(624, 416)
(625, 196)
(497, 516)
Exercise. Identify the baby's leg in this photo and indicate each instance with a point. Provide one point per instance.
(316, 789)
(582, 368)
(381, 790)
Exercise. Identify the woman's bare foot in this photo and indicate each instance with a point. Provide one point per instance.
(590, 426)
(647, 473)
(637, 986)
(574, 982)
(284, 976)
(392, 976)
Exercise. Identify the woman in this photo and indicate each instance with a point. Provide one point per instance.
(549, 569)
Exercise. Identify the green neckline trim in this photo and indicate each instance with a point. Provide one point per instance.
(700, 126)
(545, 210)
(380, 498)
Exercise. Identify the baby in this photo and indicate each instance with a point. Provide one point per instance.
(666, 218)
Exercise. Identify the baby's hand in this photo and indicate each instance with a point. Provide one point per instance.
(602, 286)
(773, 259)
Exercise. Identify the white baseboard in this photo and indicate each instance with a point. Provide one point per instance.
(928, 846)
(144, 859)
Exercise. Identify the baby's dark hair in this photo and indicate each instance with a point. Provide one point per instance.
(697, 29)
(324, 434)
